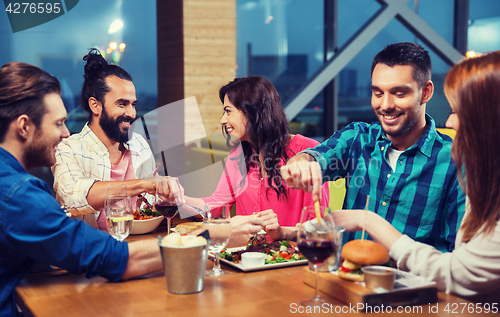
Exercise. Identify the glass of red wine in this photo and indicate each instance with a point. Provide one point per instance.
(317, 241)
(168, 198)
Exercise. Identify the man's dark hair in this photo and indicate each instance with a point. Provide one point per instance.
(22, 89)
(97, 70)
(406, 54)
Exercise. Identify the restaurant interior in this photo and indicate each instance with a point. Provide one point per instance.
(317, 53)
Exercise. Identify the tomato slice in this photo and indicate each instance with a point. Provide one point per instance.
(286, 256)
(344, 269)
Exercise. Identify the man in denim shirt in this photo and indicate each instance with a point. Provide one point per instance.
(401, 162)
(33, 226)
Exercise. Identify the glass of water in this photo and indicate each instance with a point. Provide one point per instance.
(119, 215)
(217, 222)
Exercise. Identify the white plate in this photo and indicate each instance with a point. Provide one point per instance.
(261, 267)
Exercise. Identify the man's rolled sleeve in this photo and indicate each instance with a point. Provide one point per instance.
(318, 157)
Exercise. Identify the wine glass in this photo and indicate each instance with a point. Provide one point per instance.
(119, 215)
(317, 240)
(168, 198)
(217, 222)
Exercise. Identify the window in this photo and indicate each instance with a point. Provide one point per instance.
(283, 42)
(58, 47)
(276, 38)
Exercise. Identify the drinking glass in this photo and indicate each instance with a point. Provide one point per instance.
(217, 222)
(116, 189)
(168, 198)
(317, 240)
(119, 215)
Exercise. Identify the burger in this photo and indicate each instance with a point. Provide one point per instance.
(359, 253)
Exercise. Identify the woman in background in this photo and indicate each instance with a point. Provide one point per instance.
(473, 268)
(256, 130)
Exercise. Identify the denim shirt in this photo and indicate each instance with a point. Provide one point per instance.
(33, 227)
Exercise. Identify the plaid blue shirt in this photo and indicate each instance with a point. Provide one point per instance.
(421, 198)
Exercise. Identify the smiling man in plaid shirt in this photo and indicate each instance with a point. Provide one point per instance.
(103, 153)
(401, 162)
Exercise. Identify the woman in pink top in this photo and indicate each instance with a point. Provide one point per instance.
(257, 133)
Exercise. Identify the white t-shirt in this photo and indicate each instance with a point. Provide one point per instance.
(392, 156)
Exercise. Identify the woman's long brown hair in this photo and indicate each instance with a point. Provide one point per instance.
(472, 88)
(267, 127)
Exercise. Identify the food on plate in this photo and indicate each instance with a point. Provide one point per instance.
(187, 227)
(175, 240)
(359, 253)
(257, 240)
(145, 209)
(144, 214)
(277, 251)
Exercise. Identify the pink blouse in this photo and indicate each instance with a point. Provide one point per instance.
(250, 196)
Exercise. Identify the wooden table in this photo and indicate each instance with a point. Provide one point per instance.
(276, 292)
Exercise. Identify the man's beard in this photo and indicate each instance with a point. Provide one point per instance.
(408, 123)
(112, 127)
(39, 154)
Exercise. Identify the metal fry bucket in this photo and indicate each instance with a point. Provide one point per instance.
(184, 268)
